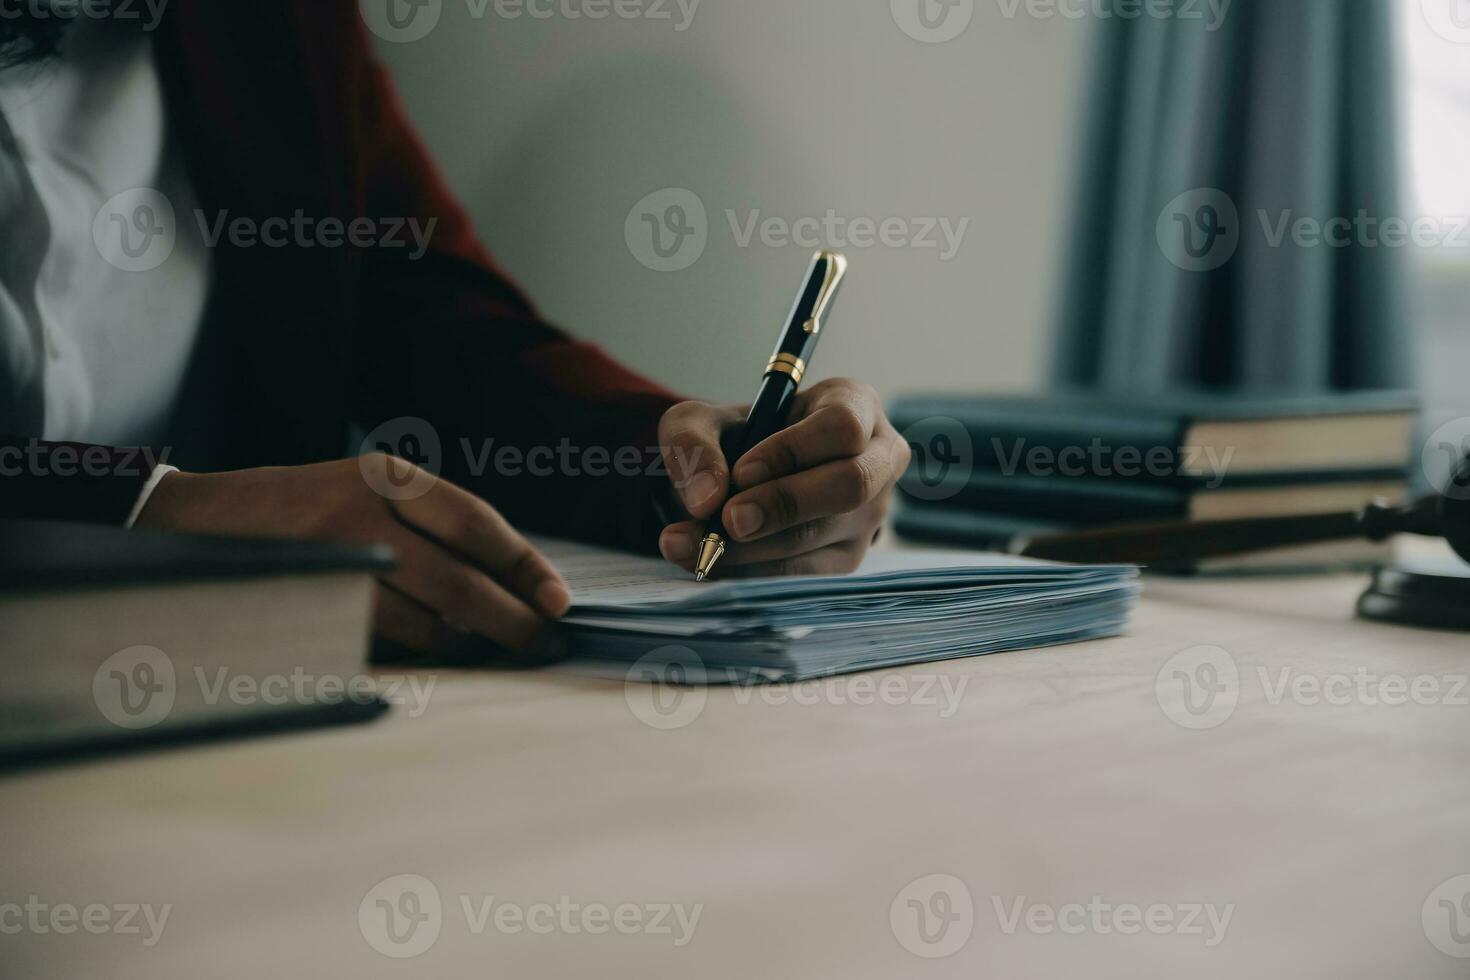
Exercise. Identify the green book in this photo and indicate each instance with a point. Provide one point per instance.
(1184, 438)
(1086, 500)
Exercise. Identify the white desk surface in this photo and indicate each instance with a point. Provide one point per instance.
(796, 827)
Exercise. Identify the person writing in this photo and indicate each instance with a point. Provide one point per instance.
(257, 366)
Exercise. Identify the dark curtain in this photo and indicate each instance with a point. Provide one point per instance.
(1199, 148)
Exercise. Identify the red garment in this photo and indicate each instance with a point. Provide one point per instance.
(282, 110)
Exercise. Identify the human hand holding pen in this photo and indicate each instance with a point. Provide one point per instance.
(809, 500)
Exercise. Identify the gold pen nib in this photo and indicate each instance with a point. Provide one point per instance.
(710, 550)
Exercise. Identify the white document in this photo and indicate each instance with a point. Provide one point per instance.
(899, 607)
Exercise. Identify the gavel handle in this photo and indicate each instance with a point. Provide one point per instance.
(1186, 542)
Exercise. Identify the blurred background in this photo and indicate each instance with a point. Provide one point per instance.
(983, 162)
(553, 129)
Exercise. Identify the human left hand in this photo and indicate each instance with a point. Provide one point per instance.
(809, 500)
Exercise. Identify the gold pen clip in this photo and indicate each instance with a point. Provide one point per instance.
(836, 269)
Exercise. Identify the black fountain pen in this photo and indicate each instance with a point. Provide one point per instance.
(783, 377)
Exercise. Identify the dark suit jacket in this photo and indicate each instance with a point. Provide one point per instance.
(282, 108)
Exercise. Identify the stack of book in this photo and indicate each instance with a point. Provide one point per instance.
(989, 471)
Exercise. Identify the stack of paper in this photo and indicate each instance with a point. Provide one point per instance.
(900, 607)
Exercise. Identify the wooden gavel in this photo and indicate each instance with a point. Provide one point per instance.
(1176, 543)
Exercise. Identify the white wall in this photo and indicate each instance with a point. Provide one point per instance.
(552, 129)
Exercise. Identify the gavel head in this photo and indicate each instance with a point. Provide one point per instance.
(1454, 511)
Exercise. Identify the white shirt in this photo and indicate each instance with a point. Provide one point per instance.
(94, 347)
(96, 331)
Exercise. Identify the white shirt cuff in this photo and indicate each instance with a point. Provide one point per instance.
(159, 472)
